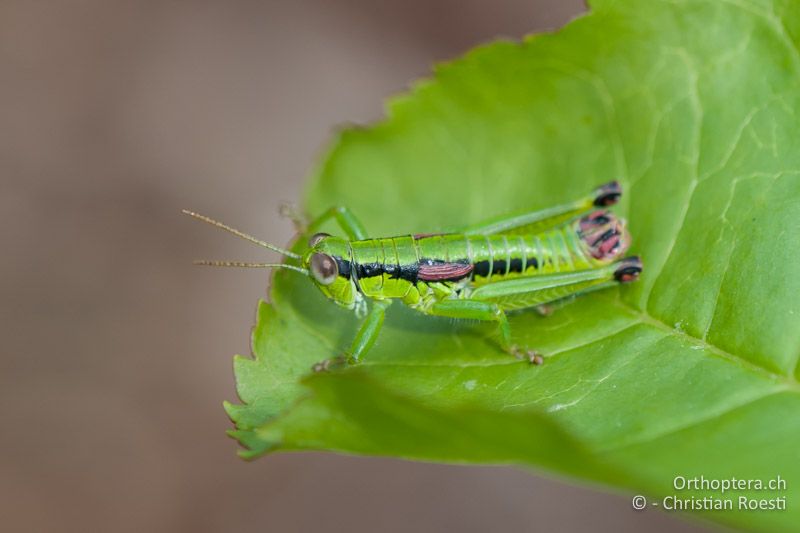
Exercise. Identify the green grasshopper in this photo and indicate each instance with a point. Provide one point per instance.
(480, 273)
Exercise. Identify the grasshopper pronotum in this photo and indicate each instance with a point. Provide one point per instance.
(481, 272)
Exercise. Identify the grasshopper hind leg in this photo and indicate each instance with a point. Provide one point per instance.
(492, 301)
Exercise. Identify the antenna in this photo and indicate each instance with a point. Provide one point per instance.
(245, 264)
(242, 235)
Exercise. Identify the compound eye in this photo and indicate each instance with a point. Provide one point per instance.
(314, 240)
(324, 269)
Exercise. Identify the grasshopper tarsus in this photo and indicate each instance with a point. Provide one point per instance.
(333, 363)
(526, 354)
(295, 215)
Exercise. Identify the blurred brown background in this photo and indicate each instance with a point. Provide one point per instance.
(116, 351)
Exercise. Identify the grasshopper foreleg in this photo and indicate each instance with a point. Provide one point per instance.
(369, 330)
(365, 337)
(346, 220)
(293, 213)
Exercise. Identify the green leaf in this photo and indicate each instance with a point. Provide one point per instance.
(693, 106)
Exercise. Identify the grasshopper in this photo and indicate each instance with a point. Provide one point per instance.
(481, 272)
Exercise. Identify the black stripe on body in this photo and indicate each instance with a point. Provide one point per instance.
(406, 272)
(499, 266)
(409, 272)
(371, 270)
(344, 266)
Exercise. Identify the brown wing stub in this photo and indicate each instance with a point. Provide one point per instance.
(443, 271)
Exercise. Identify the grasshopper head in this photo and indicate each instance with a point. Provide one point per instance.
(328, 262)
